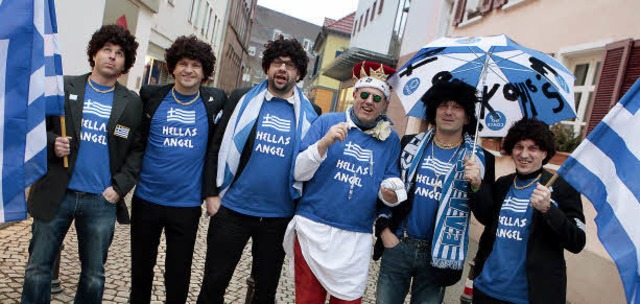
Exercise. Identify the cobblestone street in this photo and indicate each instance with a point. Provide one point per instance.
(14, 243)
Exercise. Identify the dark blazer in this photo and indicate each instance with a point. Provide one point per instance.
(550, 234)
(125, 154)
(214, 101)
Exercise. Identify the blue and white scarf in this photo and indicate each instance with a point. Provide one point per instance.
(451, 232)
(240, 124)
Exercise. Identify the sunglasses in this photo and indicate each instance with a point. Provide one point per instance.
(376, 97)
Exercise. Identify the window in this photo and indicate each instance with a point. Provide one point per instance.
(586, 70)
(360, 24)
(355, 26)
(252, 51)
(306, 43)
(205, 16)
(208, 24)
(366, 17)
(373, 10)
(380, 8)
(192, 11)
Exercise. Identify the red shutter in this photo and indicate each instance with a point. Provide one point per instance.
(460, 9)
(632, 73)
(608, 89)
(499, 3)
(486, 6)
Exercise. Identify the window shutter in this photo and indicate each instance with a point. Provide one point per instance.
(459, 14)
(499, 3)
(609, 87)
(485, 7)
(632, 72)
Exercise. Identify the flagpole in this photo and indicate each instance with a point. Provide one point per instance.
(552, 180)
(63, 132)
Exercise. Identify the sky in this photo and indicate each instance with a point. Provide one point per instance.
(312, 11)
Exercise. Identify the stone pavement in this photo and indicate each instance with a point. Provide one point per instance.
(14, 243)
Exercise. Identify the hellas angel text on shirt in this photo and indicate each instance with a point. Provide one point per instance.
(351, 176)
(511, 226)
(273, 144)
(178, 136)
(99, 134)
(422, 184)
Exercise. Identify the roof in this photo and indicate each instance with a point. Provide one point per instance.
(341, 67)
(345, 24)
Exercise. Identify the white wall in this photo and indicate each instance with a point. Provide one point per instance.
(427, 20)
(134, 77)
(172, 21)
(376, 35)
(77, 21)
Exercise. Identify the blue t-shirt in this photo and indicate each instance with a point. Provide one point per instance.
(427, 189)
(92, 173)
(173, 161)
(504, 275)
(344, 189)
(262, 189)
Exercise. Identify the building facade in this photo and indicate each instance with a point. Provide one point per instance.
(269, 25)
(331, 42)
(155, 23)
(241, 16)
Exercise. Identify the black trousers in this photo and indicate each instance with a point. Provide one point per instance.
(229, 232)
(180, 227)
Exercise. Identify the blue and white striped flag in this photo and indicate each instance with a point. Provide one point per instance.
(605, 169)
(30, 78)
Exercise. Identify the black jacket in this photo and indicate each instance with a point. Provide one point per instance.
(214, 100)
(125, 154)
(550, 234)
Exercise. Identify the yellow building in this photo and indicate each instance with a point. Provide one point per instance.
(331, 42)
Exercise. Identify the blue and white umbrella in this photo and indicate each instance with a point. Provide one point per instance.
(513, 81)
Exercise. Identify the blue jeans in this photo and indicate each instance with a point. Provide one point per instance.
(94, 221)
(410, 259)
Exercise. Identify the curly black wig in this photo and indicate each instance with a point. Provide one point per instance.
(288, 48)
(117, 35)
(533, 129)
(193, 48)
(456, 90)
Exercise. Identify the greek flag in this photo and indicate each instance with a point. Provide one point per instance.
(30, 87)
(605, 169)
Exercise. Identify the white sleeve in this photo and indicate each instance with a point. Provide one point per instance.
(396, 185)
(307, 163)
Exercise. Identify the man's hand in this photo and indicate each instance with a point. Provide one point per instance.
(62, 146)
(472, 173)
(389, 239)
(337, 132)
(213, 204)
(110, 195)
(389, 195)
(541, 198)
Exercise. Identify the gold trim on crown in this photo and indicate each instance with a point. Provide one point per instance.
(378, 73)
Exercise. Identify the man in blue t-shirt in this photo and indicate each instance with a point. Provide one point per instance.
(178, 126)
(528, 225)
(104, 154)
(256, 188)
(424, 243)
